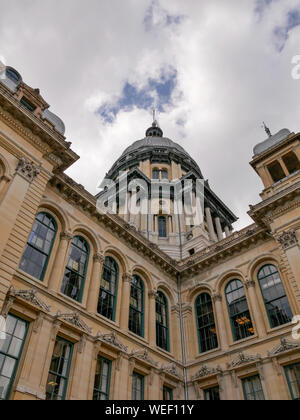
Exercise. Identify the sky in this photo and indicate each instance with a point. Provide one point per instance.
(214, 70)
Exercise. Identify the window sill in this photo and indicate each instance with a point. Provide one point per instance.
(32, 280)
(279, 328)
(74, 302)
(104, 319)
(243, 340)
(137, 337)
(208, 353)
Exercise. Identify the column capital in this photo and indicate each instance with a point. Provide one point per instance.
(99, 258)
(152, 294)
(127, 277)
(217, 297)
(249, 283)
(27, 169)
(288, 239)
(66, 236)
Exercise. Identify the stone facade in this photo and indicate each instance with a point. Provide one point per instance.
(33, 157)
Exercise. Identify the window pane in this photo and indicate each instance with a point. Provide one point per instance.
(10, 353)
(108, 289)
(253, 388)
(74, 278)
(59, 370)
(136, 309)
(39, 245)
(274, 296)
(207, 333)
(102, 379)
(293, 378)
(239, 313)
(212, 394)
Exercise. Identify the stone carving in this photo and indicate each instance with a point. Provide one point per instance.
(217, 297)
(111, 338)
(243, 359)
(99, 258)
(27, 169)
(288, 239)
(171, 369)
(74, 318)
(206, 371)
(30, 296)
(249, 283)
(143, 355)
(285, 345)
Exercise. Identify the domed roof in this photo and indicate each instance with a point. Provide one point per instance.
(158, 149)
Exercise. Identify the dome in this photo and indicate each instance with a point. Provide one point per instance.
(158, 149)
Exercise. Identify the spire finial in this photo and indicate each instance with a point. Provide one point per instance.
(267, 130)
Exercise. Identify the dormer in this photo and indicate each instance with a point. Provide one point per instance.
(277, 161)
(31, 99)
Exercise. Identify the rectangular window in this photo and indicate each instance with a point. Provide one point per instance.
(167, 393)
(137, 386)
(10, 353)
(292, 373)
(252, 388)
(24, 101)
(58, 376)
(276, 171)
(212, 394)
(291, 162)
(102, 379)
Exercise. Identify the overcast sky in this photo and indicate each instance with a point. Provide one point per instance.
(215, 69)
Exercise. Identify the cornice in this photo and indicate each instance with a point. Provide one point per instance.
(77, 195)
(260, 212)
(51, 143)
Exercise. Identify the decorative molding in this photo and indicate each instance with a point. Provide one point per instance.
(217, 297)
(171, 370)
(242, 359)
(74, 318)
(142, 355)
(284, 346)
(99, 258)
(27, 169)
(127, 277)
(207, 371)
(31, 297)
(7, 306)
(111, 339)
(66, 236)
(152, 294)
(26, 390)
(288, 239)
(82, 343)
(250, 283)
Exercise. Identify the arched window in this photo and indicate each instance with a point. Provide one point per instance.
(13, 75)
(155, 174)
(74, 278)
(164, 174)
(108, 289)
(276, 301)
(162, 322)
(136, 308)
(239, 313)
(162, 227)
(207, 333)
(38, 249)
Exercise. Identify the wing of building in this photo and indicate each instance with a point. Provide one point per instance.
(154, 301)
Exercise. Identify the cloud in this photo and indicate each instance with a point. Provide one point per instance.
(212, 68)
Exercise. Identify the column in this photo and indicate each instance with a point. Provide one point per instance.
(217, 298)
(211, 229)
(170, 224)
(227, 231)
(59, 263)
(94, 289)
(289, 241)
(80, 380)
(152, 318)
(125, 301)
(219, 228)
(257, 313)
